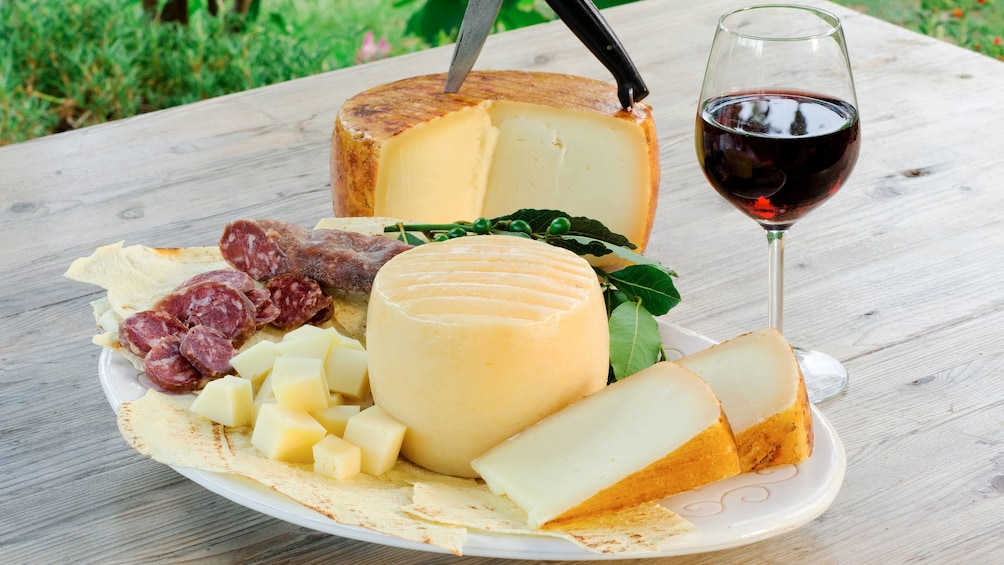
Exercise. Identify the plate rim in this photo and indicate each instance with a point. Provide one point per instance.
(679, 340)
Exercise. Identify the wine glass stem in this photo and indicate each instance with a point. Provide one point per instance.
(775, 279)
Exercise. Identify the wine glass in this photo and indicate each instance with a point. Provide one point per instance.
(777, 134)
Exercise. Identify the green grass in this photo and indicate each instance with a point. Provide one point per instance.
(71, 64)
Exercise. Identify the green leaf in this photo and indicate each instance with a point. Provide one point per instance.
(635, 342)
(650, 284)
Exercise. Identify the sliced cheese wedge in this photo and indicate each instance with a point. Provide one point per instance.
(757, 378)
(508, 140)
(659, 432)
(471, 340)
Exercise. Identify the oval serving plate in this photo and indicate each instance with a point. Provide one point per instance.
(729, 513)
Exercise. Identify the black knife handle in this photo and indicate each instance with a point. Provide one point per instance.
(586, 22)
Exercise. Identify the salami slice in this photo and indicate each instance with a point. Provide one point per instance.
(213, 304)
(254, 249)
(298, 298)
(209, 351)
(230, 277)
(265, 309)
(167, 368)
(140, 331)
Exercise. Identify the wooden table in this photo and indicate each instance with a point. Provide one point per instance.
(899, 276)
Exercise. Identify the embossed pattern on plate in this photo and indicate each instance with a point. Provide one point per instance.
(729, 513)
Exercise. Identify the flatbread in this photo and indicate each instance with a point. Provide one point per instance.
(407, 502)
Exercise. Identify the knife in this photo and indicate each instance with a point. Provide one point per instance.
(581, 16)
(479, 17)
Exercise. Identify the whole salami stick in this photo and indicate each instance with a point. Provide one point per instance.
(338, 260)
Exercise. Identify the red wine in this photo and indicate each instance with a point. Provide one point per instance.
(777, 155)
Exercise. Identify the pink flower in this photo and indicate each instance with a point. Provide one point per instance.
(371, 50)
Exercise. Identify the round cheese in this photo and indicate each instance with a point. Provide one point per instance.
(473, 339)
(507, 140)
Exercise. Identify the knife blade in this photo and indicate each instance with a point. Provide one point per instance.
(479, 17)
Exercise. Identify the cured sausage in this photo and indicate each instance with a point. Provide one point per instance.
(337, 259)
(167, 368)
(298, 298)
(230, 277)
(213, 304)
(250, 247)
(209, 351)
(139, 332)
(265, 310)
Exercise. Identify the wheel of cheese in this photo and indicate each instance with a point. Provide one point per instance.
(473, 339)
(507, 140)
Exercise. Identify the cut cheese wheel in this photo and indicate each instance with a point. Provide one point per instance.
(659, 432)
(473, 339)
(757, 378)
(508, 140)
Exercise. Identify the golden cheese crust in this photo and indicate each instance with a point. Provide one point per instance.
(374, 116)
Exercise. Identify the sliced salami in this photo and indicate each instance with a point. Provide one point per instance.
(140, 331)
(298, 298)
(213, 304)
(265, 309)
(230, 277)
(209, 351)
(167, 368)
(254, 249)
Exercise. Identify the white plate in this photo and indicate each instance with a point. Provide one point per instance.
(729, 513)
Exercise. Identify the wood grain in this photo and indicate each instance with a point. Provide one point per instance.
(898, 276)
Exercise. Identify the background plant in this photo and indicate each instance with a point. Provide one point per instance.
(69, 64)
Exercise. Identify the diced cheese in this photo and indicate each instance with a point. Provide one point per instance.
(346, 371)
(255, 362)
(335, 418)
(286, 434)
(509, 140)
(473, 339)
(656, 433)
(336, 458)
(313, 344)
(379, 436)
(226, 401)
(299, 382)
(758, 380)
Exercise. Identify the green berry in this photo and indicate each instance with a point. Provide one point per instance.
(456, 232)
(482, 226)
(440, 237)
(559, 226)
(520, 226)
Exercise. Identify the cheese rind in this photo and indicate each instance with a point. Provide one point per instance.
(656, 433)
(473, 339)
(759, 382)
(508, 140)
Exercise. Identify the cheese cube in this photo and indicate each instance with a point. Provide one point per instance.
(307, 330)
(335, 399)
(345, 369)
(286, 433)
(334, 418)
(312, 344)
(226, 401)
(336, 458)
(378, 435)
(255, 362)
(300, 382)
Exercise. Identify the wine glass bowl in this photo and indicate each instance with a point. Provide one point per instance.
(777, 133)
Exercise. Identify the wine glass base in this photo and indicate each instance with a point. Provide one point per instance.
(825, 377)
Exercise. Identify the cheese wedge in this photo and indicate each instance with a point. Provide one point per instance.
(659, 432)
(507, 140)
(757, 378)
(473, 339)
